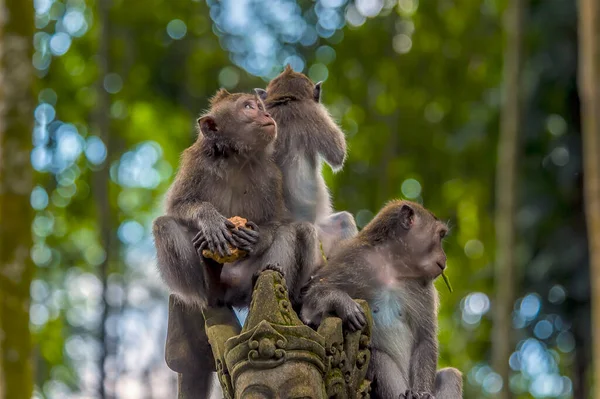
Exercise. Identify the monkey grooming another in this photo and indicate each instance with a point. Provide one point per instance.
(307, 134)
(391, 264)
(229, 172)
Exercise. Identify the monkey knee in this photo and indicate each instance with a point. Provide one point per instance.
(448, 383)
(347, 224)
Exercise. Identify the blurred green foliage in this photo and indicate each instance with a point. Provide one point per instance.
(415, 86)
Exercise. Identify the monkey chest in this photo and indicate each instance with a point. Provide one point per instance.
(246, 199)
(392, 333)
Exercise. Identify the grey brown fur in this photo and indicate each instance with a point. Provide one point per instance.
(229, 171)
(307, 135)
(391, 264)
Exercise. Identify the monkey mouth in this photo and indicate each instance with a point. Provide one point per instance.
(268, 124)
(442, 266)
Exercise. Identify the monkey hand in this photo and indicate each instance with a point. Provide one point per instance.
(246, 237)
(215, 235)
(350, 312)
(409, 394)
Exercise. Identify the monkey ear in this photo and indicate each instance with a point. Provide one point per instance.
(208, 125)
(317, 91)
(261, 93)
(219, 95)
(288, 68)
(407, 216)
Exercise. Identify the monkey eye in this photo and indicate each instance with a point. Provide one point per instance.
(443, 233)
(248, 106)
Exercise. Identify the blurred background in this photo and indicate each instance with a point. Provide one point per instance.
(471, 107)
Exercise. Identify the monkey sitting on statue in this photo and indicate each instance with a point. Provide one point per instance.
(307, 134)
(391, 264)
(229, 172)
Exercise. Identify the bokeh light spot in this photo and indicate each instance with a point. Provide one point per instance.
(363, 217)
(130, 232)
(369, 8)
(60, 43)
(39, 198)
(402, 43)
(474, 249)
(530, 306)
(229, 77)
(565, 342)
(318, 72)
(176, 29)
(557, 294)
(556, 125)
(113, 83)
(543, 329)
(44, 114)
(325, 54)
(411, 188)
(560, 156)
(492, 383)
(47, 95)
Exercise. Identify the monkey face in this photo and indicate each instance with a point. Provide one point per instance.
(412, 235)
(423, 245)
(240, 119)
(254, 118)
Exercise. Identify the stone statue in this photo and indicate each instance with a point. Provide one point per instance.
(274, 355)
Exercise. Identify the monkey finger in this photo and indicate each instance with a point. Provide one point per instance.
(224, 243)
(198, 239)
(227, 234)
(198, 236)
(211, 245)
(221, 244)
(352, 324)
(241, 242)
(229, 224)
(252, 225)
(245, 234)
(202, 246)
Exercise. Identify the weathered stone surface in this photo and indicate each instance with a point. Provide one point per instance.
(274, 355)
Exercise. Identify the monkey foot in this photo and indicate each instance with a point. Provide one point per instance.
(270, 266)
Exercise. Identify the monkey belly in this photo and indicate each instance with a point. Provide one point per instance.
(236, 275)
(306, 194)
(391, 332)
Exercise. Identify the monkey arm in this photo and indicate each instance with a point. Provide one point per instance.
(324, 298)
(195, 212)
(331, 144)
(180, 266)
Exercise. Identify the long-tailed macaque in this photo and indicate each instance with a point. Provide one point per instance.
(307, 134)
(229, 171)
(391, 264)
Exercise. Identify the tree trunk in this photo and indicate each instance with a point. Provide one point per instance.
(16, 180)
(589, 93)
(101, 185)
(506, 177)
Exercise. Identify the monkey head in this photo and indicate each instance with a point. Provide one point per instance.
(290, 85)
(239, 120)
(414, 237)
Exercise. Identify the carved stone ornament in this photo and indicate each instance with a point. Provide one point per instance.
(275, 355)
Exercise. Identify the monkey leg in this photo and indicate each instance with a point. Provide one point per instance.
(194, 279)
(187, 350)
(389, 381)
(448, 384)
(335, 228)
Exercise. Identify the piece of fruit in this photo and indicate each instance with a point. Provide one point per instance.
(236, 254)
